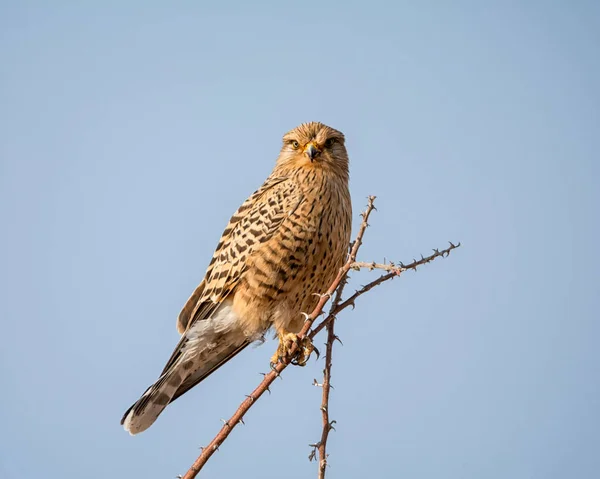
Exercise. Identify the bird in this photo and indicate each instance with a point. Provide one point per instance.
(282, 247)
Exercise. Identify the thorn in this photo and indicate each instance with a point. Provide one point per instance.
(306, 317)
(337, 338)
(215, 448)
(251, 397)
(317, 384)
(422, 257)
(225, 423)
(242, 421)
(323, 408)
(316, 352)
(451, 245)
(313, 454)
(331, 425)
(273, 367)
(201, 448)
(268, 390)
(323, 295)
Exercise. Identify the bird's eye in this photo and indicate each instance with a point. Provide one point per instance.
(295, 144)
(329, 143)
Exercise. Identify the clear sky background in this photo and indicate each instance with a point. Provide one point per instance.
(130, 132)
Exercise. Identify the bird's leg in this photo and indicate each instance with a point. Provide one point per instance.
(286, 343)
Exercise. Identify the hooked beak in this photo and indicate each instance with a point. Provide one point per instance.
(311, 151)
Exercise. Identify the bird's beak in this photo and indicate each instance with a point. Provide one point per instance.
(311, 151)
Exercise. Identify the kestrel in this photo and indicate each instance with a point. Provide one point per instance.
(286, 242)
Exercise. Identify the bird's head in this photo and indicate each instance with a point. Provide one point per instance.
(314, 145)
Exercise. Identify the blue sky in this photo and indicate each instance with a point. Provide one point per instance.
(131, 131)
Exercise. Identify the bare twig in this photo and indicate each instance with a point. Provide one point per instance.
(228, 426)
(321, 446)
(393, 272)
(401, 267)
(327, 423)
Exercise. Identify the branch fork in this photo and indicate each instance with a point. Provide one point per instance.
(391, 270)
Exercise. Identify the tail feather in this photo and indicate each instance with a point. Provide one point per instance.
(204, 347)
(209, 367)
(141, 415)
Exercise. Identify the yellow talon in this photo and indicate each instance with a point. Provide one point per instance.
(284, 350)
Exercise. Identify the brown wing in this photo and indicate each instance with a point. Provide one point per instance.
(194, 379)
(253, 223)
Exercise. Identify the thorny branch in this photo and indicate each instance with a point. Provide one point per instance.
(321, 446)
(393, 272)
(337, 306)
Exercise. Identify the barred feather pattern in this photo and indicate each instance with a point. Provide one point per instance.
(284, 243)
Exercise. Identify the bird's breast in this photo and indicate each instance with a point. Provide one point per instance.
(302, 258)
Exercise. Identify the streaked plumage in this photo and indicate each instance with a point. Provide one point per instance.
(284, 243)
